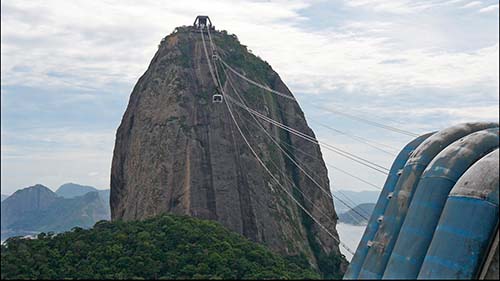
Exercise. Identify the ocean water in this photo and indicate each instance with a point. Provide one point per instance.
(350, 235)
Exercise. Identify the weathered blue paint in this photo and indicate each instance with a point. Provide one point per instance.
(381, 247)
(358, 259)
(429, 199)
(467, 224)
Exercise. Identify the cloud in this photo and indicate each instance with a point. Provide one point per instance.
(55, 156)
(94, 44)
(454, 1)
(89, 50)
(472, 4)
(419, 63)
(399, 6)
(371, 64)
(394, 6)
(489, 9)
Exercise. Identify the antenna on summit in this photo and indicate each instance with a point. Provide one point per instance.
(203, 21)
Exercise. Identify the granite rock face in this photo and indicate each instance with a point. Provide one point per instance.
(178, 152)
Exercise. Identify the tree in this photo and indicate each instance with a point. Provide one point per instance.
(167, 246)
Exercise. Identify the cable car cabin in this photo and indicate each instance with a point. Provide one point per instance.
(203, 21)
(217, 98)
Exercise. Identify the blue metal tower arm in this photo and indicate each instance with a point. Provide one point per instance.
(467, 224)
(359, 257)
(429, 199)
(382, 245)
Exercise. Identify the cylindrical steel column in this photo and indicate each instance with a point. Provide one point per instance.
(383, 199)
(429, 199)
(467, 224)
(393, 218)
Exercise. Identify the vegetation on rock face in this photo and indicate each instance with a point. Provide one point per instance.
(165, 247)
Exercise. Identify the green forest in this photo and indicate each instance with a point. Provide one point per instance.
(164, 247)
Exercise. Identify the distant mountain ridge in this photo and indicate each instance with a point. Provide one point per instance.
(356, 197)
(71, 190)
(3, 197)
(38, 209)
(353, 216)
(33, 198)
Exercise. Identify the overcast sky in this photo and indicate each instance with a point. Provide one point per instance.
(68, 67)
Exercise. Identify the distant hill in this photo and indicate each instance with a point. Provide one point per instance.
(165, 247)
(358, 197)
(31, 199)
(353, 216)
(37, 208)
(104, 194)
(72, 190)
(3, 196)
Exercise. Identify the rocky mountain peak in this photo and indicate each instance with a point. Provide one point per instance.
(178, 152)
(33, 198)
(71, 190)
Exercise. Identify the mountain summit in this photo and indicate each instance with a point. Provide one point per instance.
(179, 151)
(72, 190)
(37, 208)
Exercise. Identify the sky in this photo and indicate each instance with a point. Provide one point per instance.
(68, 68)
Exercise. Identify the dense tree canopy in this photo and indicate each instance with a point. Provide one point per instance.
(165, 247)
